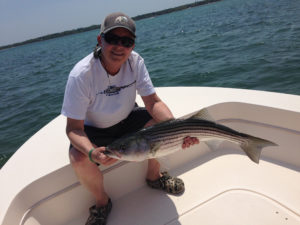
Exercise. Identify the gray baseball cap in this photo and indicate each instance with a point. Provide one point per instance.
(116, 20)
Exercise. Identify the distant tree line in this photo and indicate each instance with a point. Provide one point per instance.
(94, 27)
(166, 11)
(51, 36)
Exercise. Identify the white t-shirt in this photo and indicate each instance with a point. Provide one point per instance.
(102, 100)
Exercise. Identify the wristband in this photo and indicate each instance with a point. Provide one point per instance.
(90, 155)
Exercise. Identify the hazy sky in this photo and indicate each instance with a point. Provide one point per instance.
(21, 20)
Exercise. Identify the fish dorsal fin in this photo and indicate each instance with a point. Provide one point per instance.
(203, 114)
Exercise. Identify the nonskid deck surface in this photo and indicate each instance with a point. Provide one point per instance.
(222, 185)
(226, 190)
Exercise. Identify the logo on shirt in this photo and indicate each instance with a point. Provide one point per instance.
(114, 90)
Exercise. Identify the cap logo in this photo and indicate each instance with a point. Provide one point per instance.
(121, 20)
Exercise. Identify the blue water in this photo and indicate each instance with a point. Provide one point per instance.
(253, 44)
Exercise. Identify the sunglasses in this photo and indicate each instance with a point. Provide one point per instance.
(113, 39)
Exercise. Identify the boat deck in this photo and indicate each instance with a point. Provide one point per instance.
(226, 190)
(220, 189)
(223, 186)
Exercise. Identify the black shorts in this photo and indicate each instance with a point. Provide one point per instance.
(136, 120)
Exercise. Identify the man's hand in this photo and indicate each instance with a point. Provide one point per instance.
(189, 141)
(99, 157)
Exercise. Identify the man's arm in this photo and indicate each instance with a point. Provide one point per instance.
(77, 136)
(157, 108)
(80, 141)
(160, 112)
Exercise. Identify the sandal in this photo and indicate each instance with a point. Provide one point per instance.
(171, 185)
(98, 216)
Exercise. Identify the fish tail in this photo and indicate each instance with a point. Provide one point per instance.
(253, 146)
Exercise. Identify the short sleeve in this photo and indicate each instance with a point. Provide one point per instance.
(76, 99)
(144, 83)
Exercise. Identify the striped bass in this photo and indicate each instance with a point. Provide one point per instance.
(167, 137)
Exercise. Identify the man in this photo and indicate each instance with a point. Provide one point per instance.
(100, 106)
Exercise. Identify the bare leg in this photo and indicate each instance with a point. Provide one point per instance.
(153, 172)
(89, 176)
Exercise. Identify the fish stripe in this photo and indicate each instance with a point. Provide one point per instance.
(191, 127)
(167, 137)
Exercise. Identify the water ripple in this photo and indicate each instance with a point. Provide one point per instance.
(234, 43)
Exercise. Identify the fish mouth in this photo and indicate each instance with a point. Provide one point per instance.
(112, 153)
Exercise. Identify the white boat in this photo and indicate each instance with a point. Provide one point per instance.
(39, 187)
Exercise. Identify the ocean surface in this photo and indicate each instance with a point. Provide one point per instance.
(249, 44)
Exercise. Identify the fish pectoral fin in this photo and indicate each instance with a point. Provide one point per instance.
(213, 144)
(154, 147)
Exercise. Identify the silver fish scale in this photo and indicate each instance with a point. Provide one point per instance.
(171, 133)
(167, 137)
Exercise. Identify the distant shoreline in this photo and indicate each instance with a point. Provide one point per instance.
(94, 27)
